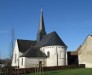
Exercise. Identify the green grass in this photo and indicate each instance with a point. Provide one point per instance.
(83, 71)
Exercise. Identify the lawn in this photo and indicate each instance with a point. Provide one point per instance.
(83, 71)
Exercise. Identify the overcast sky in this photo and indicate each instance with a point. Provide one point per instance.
(71, 19)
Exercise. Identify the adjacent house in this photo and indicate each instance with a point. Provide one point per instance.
(83, 55)
(85, 52)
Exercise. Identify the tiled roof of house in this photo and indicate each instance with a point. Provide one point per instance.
(50, 40)
(25, 44)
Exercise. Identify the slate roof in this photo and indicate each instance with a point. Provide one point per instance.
(33, 52)
(50, 40)
(25, 44)
(31, 48)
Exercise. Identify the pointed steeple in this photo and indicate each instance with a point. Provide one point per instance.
(41, 29)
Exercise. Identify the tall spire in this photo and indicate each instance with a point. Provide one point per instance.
(41, 29)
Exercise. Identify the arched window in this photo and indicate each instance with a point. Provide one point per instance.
(48, 54)
(15, 58)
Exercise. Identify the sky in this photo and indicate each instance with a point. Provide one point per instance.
(71, 19)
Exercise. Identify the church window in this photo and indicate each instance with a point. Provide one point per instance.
(48, 54)
(22, 61)
(15, 58)
(62, 54)
(62, 47)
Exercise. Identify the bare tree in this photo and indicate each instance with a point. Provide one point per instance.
(12, 43)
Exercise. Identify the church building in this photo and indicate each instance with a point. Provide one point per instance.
(47, 50)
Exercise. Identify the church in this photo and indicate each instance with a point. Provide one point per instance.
(47, 50)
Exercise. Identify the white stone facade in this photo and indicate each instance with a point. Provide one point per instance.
(51, 60)
(56, 56)
(25, 62)
(16, 55)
